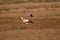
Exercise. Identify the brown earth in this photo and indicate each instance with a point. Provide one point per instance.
(46, 22)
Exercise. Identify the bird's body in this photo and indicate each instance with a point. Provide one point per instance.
(25, 20)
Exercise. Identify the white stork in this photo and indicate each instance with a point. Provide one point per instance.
(27, 21)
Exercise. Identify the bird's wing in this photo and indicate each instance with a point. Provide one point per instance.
(26, 20)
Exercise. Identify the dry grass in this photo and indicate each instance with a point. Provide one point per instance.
(25, 1)
(46, 22)
(41, 34)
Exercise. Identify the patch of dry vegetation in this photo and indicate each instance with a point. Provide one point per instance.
(25, 1)
(46, 21)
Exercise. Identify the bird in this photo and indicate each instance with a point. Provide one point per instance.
(29, 14)
(27, 21)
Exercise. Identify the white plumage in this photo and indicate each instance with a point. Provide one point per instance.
(25, 20)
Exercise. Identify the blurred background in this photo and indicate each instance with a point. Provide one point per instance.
(25, 1)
